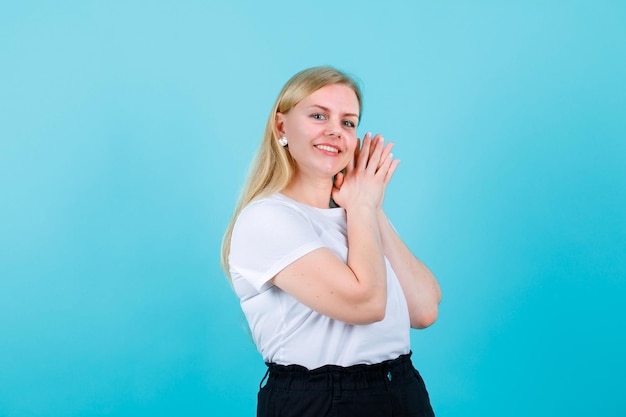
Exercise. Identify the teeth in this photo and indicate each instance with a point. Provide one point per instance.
(327, 148)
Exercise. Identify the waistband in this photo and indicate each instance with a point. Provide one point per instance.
(331, 377)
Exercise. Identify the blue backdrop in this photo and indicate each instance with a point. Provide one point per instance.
(126, 129)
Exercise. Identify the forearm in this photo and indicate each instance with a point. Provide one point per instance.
(419, 285)
(365, 254)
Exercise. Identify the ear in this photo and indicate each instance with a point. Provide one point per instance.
(279, 123)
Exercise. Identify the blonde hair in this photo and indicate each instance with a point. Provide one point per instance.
(273, 167)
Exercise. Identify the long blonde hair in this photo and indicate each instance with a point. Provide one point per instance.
(273, 167)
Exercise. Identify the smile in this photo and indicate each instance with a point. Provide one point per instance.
(327, 148)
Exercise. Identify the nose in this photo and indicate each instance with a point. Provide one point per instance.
(333, 129)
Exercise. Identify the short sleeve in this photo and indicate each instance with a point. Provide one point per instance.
(269, 235)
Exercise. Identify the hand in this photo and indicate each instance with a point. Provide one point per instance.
(366, 176)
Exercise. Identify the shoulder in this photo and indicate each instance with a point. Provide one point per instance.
(275, 215)
(270, 212)
(269, 234)
(274, 204)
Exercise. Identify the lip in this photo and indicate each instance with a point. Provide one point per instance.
(329, 145)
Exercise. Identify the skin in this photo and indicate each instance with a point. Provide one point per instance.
(353, 292)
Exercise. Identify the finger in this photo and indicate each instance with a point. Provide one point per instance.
(355, 156)
(391, 170)
(386, 151)
(385, 164)
(339, 180)
(374, 160)
(374, 142)
(364, 151)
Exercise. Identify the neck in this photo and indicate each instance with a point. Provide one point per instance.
(312, 192)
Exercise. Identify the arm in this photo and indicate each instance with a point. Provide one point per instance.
(355, 292)
(420, 287)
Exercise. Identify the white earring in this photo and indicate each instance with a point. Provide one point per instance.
(283, 141)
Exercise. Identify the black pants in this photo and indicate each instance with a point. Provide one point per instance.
(391, 388)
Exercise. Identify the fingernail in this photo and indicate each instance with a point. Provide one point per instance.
(390, 155)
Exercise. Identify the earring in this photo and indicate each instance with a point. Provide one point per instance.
(283, 141)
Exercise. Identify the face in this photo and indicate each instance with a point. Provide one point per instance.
(321, 130)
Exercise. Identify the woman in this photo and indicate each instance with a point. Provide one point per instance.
(328, 288)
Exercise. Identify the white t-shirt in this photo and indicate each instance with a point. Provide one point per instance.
(270, 234)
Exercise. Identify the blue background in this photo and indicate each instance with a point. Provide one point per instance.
(126, 129)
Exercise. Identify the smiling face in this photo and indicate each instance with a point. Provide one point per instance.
(321, 130)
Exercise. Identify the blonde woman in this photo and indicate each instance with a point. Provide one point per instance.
(327, 286)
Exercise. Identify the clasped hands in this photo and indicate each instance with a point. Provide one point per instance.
(363, 182)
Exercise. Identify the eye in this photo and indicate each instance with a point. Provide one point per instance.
(318, 116)
(349, 123)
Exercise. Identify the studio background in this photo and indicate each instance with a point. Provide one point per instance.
(127, 127)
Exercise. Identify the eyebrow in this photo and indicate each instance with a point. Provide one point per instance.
(326, 109)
